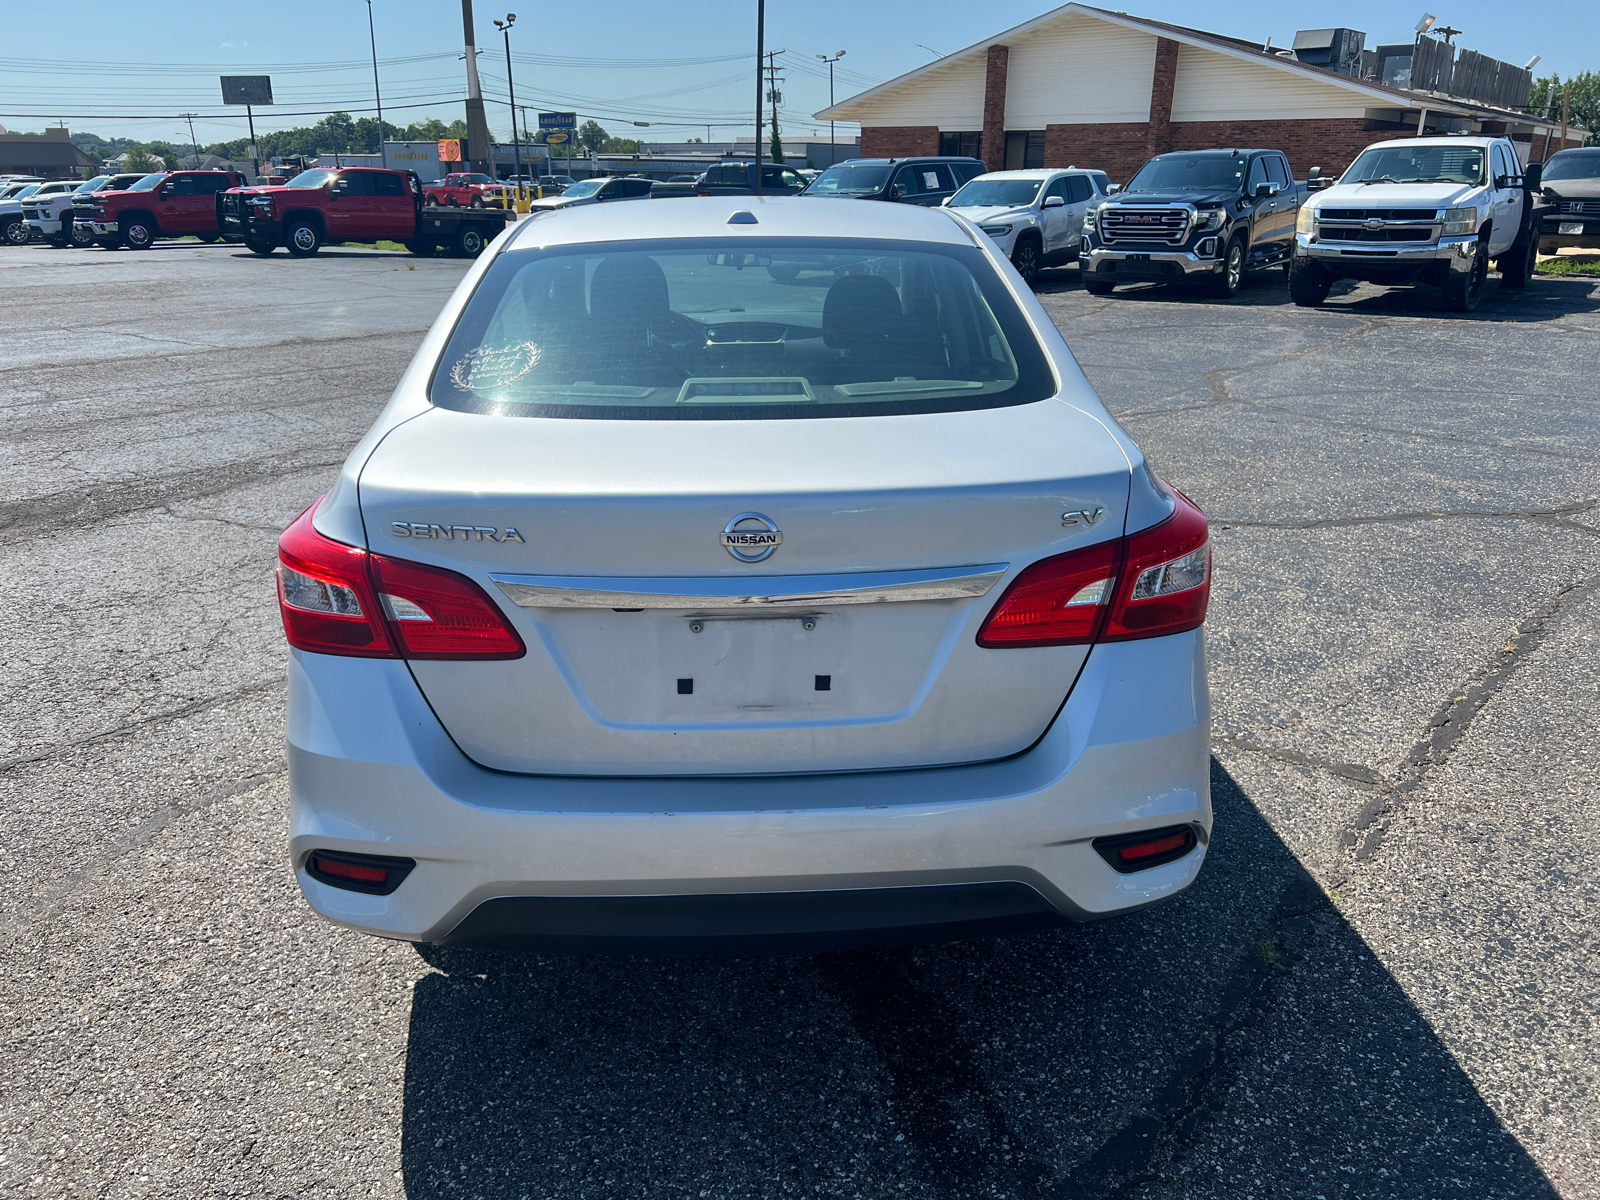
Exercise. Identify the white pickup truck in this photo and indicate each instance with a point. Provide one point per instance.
(1429, 210)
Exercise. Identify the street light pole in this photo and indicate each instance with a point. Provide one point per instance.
(377, 95)
(761, 38)
(189, 117)
(516, 147)
(833, 149)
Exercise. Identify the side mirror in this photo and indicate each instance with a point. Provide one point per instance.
(1501, 182)
(900, 192)
(1263, 190)
(1533, 176)
(166, 190)
(945, 203)
(1053, 202)
(1113, 188)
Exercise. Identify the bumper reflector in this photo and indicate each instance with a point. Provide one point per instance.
(1148, 848)
(375, 874)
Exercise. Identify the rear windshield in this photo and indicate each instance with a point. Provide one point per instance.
(740, 329)
(847, 180)
(1573, 166)
(1185, 172)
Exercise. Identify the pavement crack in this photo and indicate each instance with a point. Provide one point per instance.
(1553, 514)
(133, 727)
(1351, 772)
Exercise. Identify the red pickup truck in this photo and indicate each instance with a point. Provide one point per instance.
(465, 191)
(355, 204)
(165, 204)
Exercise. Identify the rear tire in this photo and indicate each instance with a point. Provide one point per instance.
(420, 249)
(110, 242)
(304, 237)
(1025, 258)
(470, 241)
(1517, 263)
(1227, 285)
(205, 239)
(1308, 284)
(1462, 292)
(138, 233)
(1097, 287)
(259, 246)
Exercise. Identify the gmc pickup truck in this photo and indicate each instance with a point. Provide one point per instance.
(465, 190)
(734, 179)
(355, 204)
(163, 204)
(1202, 216)
(1570, 216)
(1421, 210)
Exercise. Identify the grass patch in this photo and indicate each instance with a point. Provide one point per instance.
(1567, 266)
(383, 245)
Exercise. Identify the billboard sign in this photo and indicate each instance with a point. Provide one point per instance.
(450, 149)
(554, 137)
(247, 89)
(558, 120)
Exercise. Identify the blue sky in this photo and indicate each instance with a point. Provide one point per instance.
(621, 60)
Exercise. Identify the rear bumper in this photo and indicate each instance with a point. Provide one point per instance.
(741, 862)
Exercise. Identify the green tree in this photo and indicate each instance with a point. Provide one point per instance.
(1583, 101)
(591, 136)
(140, 159)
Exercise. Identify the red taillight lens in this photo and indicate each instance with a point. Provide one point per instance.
(1152, 583)
(325, 597)
(1167, 583)
(1129, 852)
(376, 874)
(439, 614)
(1057, 602)
(338, 599)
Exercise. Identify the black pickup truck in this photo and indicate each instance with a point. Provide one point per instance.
(1201, 216)
(734, 179)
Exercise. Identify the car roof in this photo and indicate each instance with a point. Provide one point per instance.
(708, 217)
(1037, 173)
(1228, 153)
(1576, 150)
(910, 158)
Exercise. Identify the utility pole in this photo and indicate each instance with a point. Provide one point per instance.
(477, 121)
(511, 90)
(774, 97)
(189, 117)
(761, 46)
(833, 148)
(377, 95)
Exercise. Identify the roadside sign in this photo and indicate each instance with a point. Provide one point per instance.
(558, 120)
(247, 89)
(554, 137)
(450, 150)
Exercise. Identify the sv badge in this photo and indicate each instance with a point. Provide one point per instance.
(1082, 516)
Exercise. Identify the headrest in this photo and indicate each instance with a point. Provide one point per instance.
(861, 311)
(629, 287)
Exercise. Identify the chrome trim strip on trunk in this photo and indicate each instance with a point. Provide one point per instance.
(775, 591)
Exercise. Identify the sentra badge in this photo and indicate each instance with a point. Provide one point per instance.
(455, 533)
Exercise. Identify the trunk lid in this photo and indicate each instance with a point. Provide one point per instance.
(849, 645)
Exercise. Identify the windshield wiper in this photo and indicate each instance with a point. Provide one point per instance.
(1435, 179)
(1379, 179)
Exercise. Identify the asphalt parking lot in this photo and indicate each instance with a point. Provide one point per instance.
(1383, 985)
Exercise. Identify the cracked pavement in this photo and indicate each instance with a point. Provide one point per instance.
(1384, 983)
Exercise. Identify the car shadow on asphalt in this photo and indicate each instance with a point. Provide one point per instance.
(1239, 1040)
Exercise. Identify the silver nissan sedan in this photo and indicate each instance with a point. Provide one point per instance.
(741, 574)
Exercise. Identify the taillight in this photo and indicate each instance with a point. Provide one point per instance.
(1129, 852)
(338, 599)
(376, 874)
(1149, 584)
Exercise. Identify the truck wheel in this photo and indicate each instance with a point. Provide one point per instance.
(452, 202)
(17, 232)
(477, 202)
(110, 242)
(259, 246)
(420, 249)
(784, 272)
(138, 234)
(305, 239)
(1025, 258)
(82, 236)
(1309, 284)
(1517, 263)
(1232, 278)
(1098, 287)
(470, 241)
(1463, 291)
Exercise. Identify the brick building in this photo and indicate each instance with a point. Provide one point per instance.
(1087, 87)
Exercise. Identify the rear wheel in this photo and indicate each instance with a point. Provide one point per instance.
(1232, 278)
(1098, 287)
(305, 237)
(110, 242)
(1517, 263)
(259, 246)
(1308, 284)
(420, 249)
(138, 233)
(207, 238)
(1026, 260)
(470, 241)
(1462, 290)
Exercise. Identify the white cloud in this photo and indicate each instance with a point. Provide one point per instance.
(233, 45)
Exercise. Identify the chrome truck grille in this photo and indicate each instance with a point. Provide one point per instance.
(1167, 226)
(1415, 225)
